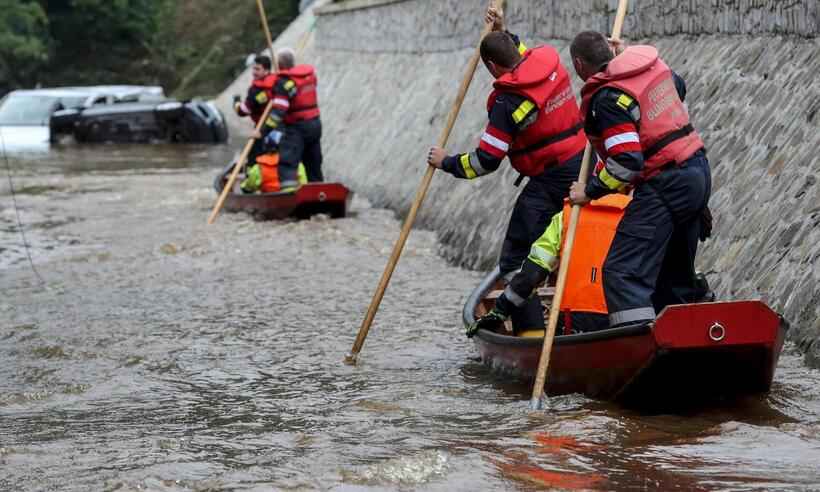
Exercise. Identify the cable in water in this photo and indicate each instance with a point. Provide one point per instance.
(17, 210)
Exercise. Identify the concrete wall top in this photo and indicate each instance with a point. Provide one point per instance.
(434, 25)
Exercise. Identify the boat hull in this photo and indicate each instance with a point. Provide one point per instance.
(692, 353)
(331, 199)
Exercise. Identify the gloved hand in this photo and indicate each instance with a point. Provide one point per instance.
(272, 140)
(237, 103)
(489, 321)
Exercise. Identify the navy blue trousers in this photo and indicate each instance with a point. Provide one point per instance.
(651, 263)
(539, 201)
(301, 143)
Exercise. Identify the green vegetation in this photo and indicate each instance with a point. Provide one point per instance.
(23, 41)
(190, 47)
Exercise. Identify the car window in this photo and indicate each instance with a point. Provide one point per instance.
(74, 102)
(27, 110)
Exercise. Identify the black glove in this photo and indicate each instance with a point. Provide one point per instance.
(236, 99)
(489, 321)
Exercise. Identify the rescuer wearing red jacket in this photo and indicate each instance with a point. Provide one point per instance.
(535, 121)
(637, 122)
(296, 114)
(259, 94)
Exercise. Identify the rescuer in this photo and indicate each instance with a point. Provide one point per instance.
(263, 176)
(583, 308)
(296, 113)
(533, 119)
(259, 94)
(260, 91)
(639, 127)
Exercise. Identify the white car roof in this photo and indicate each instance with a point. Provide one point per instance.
(114, 90)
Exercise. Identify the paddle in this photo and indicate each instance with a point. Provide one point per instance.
(240, 163)
(537, 402)
(420, 194)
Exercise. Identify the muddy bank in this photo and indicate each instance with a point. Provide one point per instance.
(389, 70)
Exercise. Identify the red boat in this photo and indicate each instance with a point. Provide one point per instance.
(692, 353)
(309, 199)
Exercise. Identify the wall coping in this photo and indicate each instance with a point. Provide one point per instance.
(338, 7)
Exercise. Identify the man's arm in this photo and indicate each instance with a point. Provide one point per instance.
(495, 16)
(522, 48)
(507, 116)
(283, 92)
(255, 101)
(615, 115)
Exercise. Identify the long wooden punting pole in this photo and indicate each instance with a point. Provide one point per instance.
(420, 194)
(264, 18)
(248, 146)
(537, 401)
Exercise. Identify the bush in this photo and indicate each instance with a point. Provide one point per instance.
(201, 44)
(23, 42)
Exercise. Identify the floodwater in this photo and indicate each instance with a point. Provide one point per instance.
(163, 354)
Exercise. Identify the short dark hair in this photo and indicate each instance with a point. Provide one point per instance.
(262, 60)
(499, 48)
(592, 48)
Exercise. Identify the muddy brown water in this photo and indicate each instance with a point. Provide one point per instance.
(163, 354)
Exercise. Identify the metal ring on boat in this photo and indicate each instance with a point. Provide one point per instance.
(322, 196)
(717, 332)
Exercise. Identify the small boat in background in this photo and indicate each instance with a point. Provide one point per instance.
(692, 353)
(332, 199)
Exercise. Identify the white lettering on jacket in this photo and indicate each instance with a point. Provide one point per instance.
(556, 102)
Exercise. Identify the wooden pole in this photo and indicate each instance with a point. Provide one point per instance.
(420, 194)
(264, 18)
(243, 157)
(537, 401)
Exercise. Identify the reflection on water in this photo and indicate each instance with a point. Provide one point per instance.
(163, 354)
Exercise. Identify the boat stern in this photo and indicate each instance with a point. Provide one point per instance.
(710, 350)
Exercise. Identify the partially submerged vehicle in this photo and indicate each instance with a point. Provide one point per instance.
(116, 113)
(692, 353)
(25, 115)
(309, 199)
(143, 121)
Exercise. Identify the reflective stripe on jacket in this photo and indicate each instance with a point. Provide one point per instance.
(304, 105)
(266, 85)
(556, 133)
(665, 133)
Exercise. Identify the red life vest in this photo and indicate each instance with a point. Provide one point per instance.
(557, 133)
(305, 105)
(664, 129)
(597, 224)
(269, 168)
(266, 83)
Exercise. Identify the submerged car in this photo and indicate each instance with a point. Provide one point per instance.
(25, 114)
(143, 121)
(106, 114)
